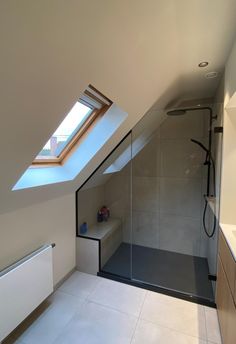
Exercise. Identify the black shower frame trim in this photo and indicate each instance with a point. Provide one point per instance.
(158, 289)
(162, 290)
(91, 175)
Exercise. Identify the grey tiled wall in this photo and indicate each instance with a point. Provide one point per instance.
(168, 184)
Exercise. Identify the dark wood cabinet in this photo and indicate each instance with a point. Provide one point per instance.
(227, 261)
(225, 293)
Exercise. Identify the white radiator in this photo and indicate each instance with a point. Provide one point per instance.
(23, 286)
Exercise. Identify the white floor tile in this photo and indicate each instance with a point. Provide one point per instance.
(80, 284)
(50, 323)
(150, 333)
(212, 325)
(93, 310)
(119, 296)
(176, 314)
(96, 324)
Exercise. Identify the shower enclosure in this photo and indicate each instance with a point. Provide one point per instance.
(155, 184)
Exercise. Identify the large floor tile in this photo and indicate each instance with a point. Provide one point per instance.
(112, 317)
(176, 314)
(50, 323)
(119, 296)
(212, 325)
(80, 284)
(96, 324)
(150, 333)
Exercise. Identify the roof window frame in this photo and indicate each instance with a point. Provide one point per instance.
(93, 99)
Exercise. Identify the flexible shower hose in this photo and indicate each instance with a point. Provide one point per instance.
(211, 234)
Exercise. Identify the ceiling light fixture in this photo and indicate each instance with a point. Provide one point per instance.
(211, 75)
(203, 64)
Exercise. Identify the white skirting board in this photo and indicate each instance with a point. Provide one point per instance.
(23, 286)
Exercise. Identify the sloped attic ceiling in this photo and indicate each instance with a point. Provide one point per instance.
(138, 53)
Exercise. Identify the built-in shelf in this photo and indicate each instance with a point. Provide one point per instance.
(97, 245)
(100, 231)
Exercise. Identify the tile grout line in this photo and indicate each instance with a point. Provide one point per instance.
(64, 325)
(84, 300)
(77, 296)
(118, 310)
(178, 331)
(110, 307)
(103, 305)
(66, 293)
(87, 300)
(138, 319)
(206, 323)
(95, 287)
(210, 341)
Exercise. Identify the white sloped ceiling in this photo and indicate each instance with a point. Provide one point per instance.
(140, 54)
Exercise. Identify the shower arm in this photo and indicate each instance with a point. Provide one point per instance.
(208, 160)
(211, 118)
(208, 157)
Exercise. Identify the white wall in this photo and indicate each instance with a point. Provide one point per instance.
(48, 60)
(228, 182)
(26, 229)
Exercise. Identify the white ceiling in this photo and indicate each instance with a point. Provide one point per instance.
(141, 54)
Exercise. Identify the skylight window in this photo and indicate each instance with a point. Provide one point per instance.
(82, 115)
(66, 131)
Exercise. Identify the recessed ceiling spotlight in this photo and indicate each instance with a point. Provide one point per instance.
(211, 75)
(203, 64)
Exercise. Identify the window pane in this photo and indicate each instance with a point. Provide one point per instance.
(66, 131)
